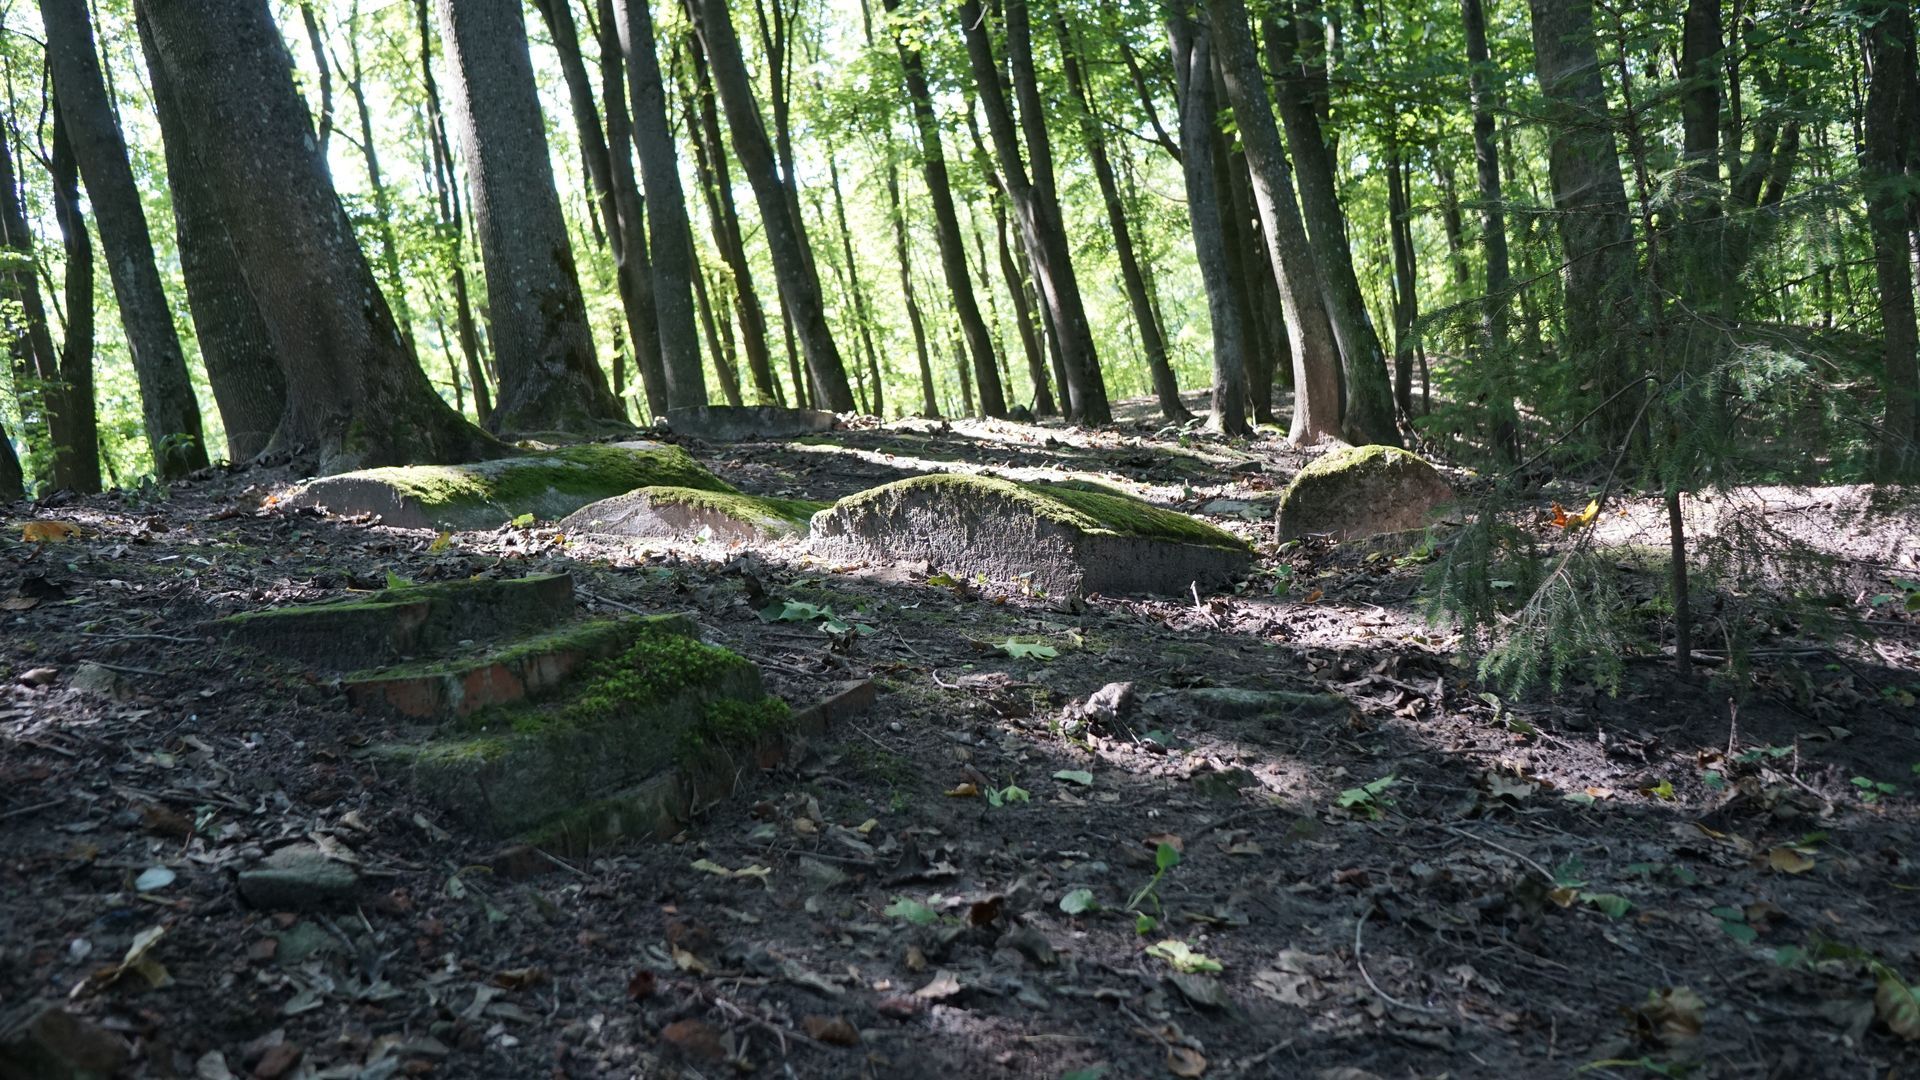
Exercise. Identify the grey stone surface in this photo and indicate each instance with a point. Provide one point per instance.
(681, 513)
(299, 877)
(736, 423)
(1361, 491)
(42, 1041)
(1099, 541)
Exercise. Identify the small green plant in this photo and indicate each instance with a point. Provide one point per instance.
(912, 911)
(1007, 795)
(800, 611)
(1165, 858)
(1871, 790)
(1908, 598)
(1021, 650)
(1368, 800)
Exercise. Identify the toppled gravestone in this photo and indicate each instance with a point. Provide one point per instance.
(737, 423)
(687, 513)
(1360, 491)
(299, 877)
(1062, 538)
(488, 494)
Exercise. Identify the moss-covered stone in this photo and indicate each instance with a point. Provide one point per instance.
(683, 512)
(1362, 491)
(486, 494)
(1061, 537)
(663, 699)
(384, 626)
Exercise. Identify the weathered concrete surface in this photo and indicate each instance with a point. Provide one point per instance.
(1361, 491)
(299, 877)
(687, 513)
(488, 494)
(406, 621)
(1065, 539)
(736, 423)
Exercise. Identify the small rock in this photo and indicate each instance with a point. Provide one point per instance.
(278, 1061)
(299, 877)
(47, 1042)
(1029, 943)
(39, 676)
(694, 1039)
(98, 679)
(833, 1030)
(1361, 491)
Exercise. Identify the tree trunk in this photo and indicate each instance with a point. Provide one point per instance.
(946, 221)
(1193, 68)
(1368, 417)
(356, 397)
(172, 416)
(719, 340)
(396, 285)
(1316, 356)
(716, 187)
(786, 236)
(1040, 223)
(1406, 304)
(542, 344)
(447, 198)
(669, 233)
(46, 402)
(1165, 387)
(1020, 289)
(318, 42)
(1590, 204)
(1233, 187)
(248, 386)
(1890, 160)
(860, 317)
(1486, 164)
(929, 402)
(76, 352)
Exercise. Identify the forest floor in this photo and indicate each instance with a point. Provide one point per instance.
(1428, 881)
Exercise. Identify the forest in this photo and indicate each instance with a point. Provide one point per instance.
(1029, 538)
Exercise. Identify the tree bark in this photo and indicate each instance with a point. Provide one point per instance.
(1406, 302)
(786, 236)
(719, 333)
(168, 407)
(1041, 227)
(356, 396)
(1165, 388)
(929, 402)
(46, 401)
(542, 343)
(248, 386)
(1891, 161)
(1590, 204)
(1193, 68)
(447, 198)
(318, 42)
(396, 285)
(1316, 356)
(1486, 166)
(669, 233)
(76, 352)
(1020, 289)
(860, 315)
(1368, 416)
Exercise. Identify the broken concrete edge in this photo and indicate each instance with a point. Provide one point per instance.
(1078, 505)
(361, 631)
(662, 805)
(487, 494)
(523, 670)
(765, 514)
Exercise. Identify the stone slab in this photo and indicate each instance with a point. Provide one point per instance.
(688, 513)
(1063, 539)
(738, 423)
(1360, 491)
(299, 877)
(488, 494)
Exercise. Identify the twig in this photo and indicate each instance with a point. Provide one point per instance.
(125, 636)
(30, 808)
(131, 670)
(560, 862)
(610, 602)
(1541, 870)
(1362, 965)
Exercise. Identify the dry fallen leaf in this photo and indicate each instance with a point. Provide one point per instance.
(963, 791)
(830, 1029)
(942, 986)
(1789, 860)
(1672, 1015)
(20, 603)
(1897, 1005)
(1185, 1061)
(41, 532)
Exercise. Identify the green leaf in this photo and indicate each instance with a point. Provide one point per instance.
(1144, 924)
(523, 521)
(1179, 954)
(1020, 650)
(395, 581)
(1166, 857)
(1739, 931)
(1713, 779)
(1079, 902)
(1091, 1072)
(1075, 776)
(1015, 794)
(912, 911)
(1613, 907)
(1578, 798)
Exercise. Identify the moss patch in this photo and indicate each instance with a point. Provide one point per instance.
(652, 511)
(1084, 507)
(1361, 491)
(737, 505)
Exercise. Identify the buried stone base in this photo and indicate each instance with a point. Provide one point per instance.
(488, 494)
(1361, 491)
(1063, 538)
(687, 513)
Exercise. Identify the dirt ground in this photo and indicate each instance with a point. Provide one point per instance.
(987, 874)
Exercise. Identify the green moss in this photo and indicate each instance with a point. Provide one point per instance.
(730, 724)
(1086, 507)
(520, 484)
(659, 662)
(778, 515)
(594, 637)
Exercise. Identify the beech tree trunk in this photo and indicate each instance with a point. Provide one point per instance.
(861, 319)
(1590, 204)
(1406, 301)
(929, 402)
(1890, 156)
(248, 386)
(1486, 164)
(447, 200)
(1041, 227)
(1165, 387)
(786, 235)
(1193, 70)
(168, 407)
(669, 234)
(542, 343)
(1316, 355)
(1368, 415)
(356, 396)
(76, 352)
(46, 402)
(1020, 288)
